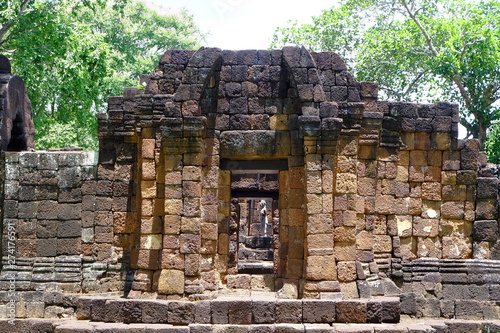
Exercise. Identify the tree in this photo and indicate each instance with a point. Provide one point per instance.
(74, 54)
(492, 145)
(416, 49)
(10, 14)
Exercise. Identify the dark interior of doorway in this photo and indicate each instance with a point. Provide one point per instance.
(256, 231)
(254, 216)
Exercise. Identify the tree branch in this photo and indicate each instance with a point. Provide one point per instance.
(467, 45)
(464, 94)
(414, 81)
(493, 99)
(454, 77)
(489, 92)
(489, 95)
(38, 63)
(24, 5)
(414, 18)
(394, 91)
(7, 26)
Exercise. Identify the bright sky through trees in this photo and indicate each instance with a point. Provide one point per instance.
(245, 24)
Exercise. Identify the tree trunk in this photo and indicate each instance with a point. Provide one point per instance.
(481, 135)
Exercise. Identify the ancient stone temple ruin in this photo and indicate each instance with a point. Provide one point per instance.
(247, 173)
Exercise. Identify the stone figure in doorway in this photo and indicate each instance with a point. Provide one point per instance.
(263, 217)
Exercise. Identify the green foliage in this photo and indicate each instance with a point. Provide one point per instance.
(323, 34)
(416, 50)
(74, 54)
(68, 134)
(492, 145)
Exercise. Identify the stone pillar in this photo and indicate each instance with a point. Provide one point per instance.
(320, 262)
(296, 217)
(321, 266)
(345, 220)
(223, 182)
(172, 260)
(367, 189)
(190, 232)
(285, 219)
(150, 239)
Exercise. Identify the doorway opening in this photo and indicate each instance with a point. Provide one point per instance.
(255, 218)
(17, 140)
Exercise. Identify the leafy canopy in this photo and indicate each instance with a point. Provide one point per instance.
(74, 54)
(417, 50)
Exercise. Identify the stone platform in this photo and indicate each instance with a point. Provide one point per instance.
(408, 326)
(238, 311)
(232, 312)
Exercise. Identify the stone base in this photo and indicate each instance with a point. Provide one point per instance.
(235, 310)
(81, 326)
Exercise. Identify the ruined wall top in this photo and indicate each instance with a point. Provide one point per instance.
(268, 90)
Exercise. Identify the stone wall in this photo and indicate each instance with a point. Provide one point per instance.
(54, 203)
(366, 191)
(460, 288)
(368, 186)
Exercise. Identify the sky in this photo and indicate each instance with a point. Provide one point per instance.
(245, 24)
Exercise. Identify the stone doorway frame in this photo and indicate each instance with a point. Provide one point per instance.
(260, 167)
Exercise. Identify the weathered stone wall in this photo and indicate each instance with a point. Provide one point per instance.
(56, 224)
(458, 288)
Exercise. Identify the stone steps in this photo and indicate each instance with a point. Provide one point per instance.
(409, 326)
(255, 254)
(238, 311)
(255, 267)
(257, 242)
